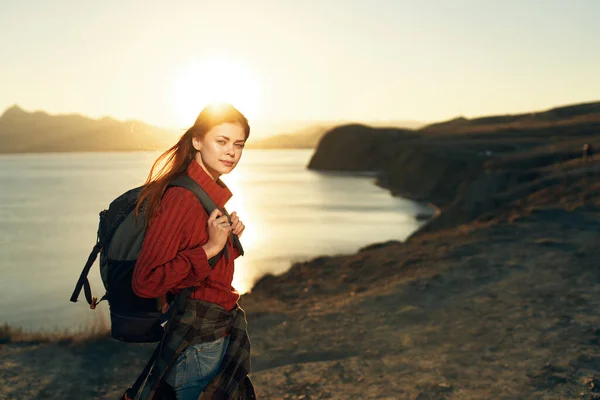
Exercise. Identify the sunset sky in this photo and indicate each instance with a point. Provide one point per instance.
(159, 61)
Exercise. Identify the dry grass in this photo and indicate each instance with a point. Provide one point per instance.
(507, 123)
(99, 329)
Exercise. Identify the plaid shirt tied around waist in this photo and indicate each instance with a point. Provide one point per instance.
(202, 322)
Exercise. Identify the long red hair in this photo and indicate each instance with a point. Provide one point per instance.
(176, 160)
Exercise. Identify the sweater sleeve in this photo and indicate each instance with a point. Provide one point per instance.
(166, 261)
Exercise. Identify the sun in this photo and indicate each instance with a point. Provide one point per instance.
(214, 81)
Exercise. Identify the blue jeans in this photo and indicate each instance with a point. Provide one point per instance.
(196, 367)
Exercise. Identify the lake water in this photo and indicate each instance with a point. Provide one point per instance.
(49, 205)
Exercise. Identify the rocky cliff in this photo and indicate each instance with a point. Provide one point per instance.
(468, 167)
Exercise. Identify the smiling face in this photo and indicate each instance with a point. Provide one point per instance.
(219, 151)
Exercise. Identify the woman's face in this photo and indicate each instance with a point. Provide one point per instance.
(219, 151)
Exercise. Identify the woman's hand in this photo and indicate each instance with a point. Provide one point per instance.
(218, 232)
(237, 225)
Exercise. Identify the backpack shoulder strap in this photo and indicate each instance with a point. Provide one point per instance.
(209, 205)
(185, 181)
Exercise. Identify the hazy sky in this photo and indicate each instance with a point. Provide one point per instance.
(426, 60)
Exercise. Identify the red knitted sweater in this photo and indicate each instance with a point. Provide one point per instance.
(172, 257)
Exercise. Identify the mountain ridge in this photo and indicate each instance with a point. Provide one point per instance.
(38, 131)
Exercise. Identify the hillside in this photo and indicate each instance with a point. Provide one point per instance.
(25, 132)
(575, 113)
(438, 166)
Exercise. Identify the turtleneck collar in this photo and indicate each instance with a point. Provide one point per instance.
(217, 190)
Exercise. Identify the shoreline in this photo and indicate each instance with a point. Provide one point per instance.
(22, 332)
(49, 334)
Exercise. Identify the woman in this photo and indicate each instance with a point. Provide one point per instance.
(207, 348)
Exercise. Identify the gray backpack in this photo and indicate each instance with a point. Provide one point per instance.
(119, 242)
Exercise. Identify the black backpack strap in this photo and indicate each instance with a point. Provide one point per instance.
(131, 392)
(83, 281)
(234, 238)
(209, 205)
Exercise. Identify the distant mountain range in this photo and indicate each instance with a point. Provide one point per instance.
(33, 132)
(308, 136)
(37, 132)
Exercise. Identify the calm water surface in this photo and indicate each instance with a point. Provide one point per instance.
(49, 205)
